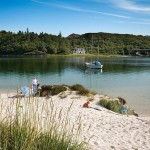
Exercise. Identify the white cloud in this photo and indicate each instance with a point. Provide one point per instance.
(138, 22)
(73, 8)
(92, 11)
(132, 5)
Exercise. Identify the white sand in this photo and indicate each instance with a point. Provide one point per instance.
(100, 128)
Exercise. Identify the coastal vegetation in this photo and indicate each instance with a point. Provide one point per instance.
(37, 127)
(47, 90)
(30, 43)
(52, 89)
(116, 105)
(110, 104)
(80, 89)
(16, 136)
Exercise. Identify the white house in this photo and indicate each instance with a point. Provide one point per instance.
(79, 51)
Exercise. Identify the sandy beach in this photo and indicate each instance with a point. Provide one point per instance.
(99, 128)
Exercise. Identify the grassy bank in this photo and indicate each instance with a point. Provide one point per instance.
(28, 127)
(116, 106)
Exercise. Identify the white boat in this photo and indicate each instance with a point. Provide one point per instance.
(94, 65)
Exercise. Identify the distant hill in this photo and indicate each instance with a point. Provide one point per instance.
(110, 43)
(73, 35)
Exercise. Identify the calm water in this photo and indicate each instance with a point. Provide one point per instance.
(125, 77)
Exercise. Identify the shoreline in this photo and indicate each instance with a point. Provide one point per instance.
(12, 93)
(70, 55)
(100, 128)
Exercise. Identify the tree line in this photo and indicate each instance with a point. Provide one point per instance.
(30, 43)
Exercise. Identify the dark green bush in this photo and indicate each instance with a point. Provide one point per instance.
(116, 106)
(81, 90)
(111, 105)
(52, 89)
(103, 103)
(77, 87)
(58, 89)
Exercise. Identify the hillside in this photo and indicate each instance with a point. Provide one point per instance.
(38, 44)
(110, 43)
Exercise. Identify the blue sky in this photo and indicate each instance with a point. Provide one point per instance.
(76, 16)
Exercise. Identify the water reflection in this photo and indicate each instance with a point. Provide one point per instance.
(59, 64)
(94, 71)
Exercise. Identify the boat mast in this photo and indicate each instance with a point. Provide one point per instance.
(98, 52)
(92, 45)
(91, 48)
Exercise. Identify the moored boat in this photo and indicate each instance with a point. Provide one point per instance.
(94, 65)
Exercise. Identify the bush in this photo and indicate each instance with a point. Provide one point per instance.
(111, 105)
(103, 103)
(116, 106)
(52, 89)
(81, 90)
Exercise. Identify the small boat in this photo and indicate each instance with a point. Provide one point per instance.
(94, 65)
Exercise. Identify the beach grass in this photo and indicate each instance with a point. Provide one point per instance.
(22, 137)
(29, 125)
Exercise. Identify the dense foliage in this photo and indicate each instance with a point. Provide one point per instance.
(31, 43)
(111, 105)
(107, 43)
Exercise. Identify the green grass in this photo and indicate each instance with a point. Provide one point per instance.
(24, 129)
(116, 106)
(22, 137)
(111, 105)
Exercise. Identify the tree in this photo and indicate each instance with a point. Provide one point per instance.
(60, 35)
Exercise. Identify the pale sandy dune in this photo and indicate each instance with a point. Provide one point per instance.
(101, 129)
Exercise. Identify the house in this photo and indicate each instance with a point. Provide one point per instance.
(141, 52)
(79, 51)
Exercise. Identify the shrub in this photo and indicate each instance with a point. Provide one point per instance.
(52, 89)
(81, 90)
(111, 105)
(58, 89)
(103, 103)
(76, 87)
(116, 106)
